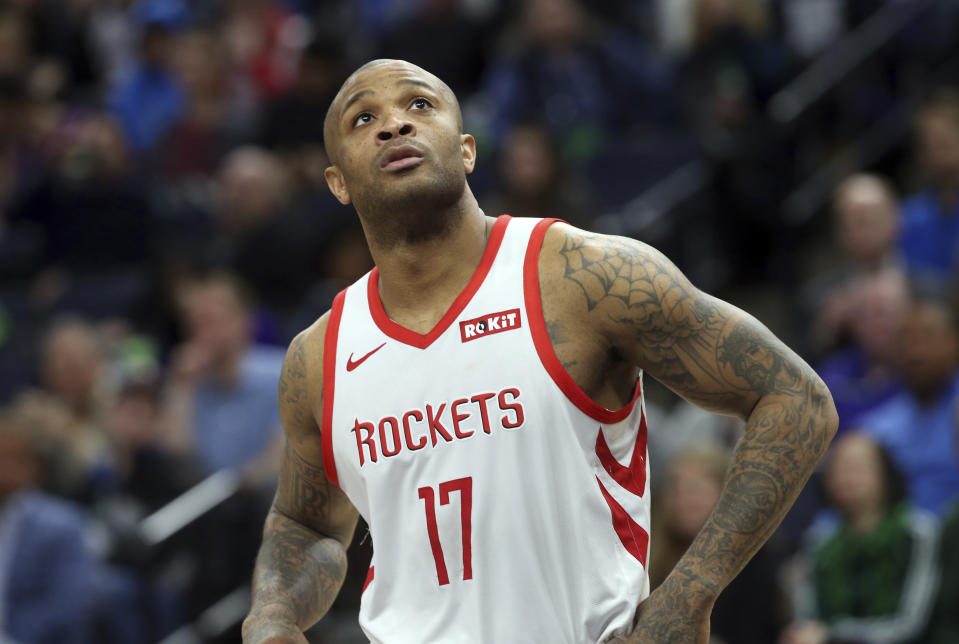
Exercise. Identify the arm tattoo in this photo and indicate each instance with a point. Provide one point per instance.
(722, 359)
(292, 390)
(300, 568)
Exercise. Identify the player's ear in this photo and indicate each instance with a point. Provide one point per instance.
(334, 179)
(468, 145)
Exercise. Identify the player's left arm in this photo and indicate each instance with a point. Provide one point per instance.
(724, 360)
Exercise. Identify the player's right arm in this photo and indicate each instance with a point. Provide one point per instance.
(302, 561)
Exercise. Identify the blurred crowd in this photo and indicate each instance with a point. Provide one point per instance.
(165, 229)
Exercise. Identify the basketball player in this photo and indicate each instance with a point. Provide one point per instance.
(477, 399)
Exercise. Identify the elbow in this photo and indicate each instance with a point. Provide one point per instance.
(828, 416)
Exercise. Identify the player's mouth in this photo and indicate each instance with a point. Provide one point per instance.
(400, 158)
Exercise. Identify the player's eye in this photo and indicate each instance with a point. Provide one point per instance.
(362, 119)
(421, 104)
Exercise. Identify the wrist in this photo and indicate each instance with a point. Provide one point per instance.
(279, 613)
(698, 591)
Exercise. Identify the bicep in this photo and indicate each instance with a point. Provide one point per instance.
(706, 350)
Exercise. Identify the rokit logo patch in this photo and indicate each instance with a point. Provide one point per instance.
(489, 324)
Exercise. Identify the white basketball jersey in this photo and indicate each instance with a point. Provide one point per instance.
(504, 505)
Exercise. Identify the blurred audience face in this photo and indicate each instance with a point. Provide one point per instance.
(216, 318)
(854, 476)
(198, 60)
(19, 465)
(712, 16)
(554, 23)
(252, 185)
(71, 364)
(133, 416)
(157, 46)
(867, 219)
(938, 132)
(14, 44)
(529, 164)
(879, 308)
(928, 348)
(98, 151)
(693, 485)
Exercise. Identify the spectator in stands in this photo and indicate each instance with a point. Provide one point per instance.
(871, 576)
(866, 227)
(149, 100)
(865, 375)
(930, 219)
(220, 401)
(220, 108)
(264, 237)
(733, 69)
(89, 205)
(533, 181)
(694, 478)
(67, 412)
(264, 40)
(47, 570)
(581, 84)
(917, 426)
(146, 472)
(944, 625)
(290, 120)
(735, 64)
(440, 37)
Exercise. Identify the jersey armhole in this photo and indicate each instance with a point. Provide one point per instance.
(329, 382)
(544, 347)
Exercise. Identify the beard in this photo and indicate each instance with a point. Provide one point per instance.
(413, 206)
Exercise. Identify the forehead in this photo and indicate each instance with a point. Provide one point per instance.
(385, 76)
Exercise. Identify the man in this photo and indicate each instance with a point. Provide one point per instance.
(930, 219)
(461, 397)
(917, 425)
(219, 402)
(48, 571)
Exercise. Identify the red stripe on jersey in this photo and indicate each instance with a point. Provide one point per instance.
(419, 340)
(544, 347)
(632, 478)
(369, 578)
(329, 381)
(631, 534)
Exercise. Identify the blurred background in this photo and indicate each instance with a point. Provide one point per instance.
(165, 230)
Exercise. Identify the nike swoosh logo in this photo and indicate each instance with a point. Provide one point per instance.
(351, 365)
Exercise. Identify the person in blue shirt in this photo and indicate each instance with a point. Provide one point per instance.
(864, 375)
(149, 100)
(48, 573)
(220, 402)
(918, 426)
(929, 237)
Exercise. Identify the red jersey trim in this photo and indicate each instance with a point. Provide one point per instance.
(369, 580)
(329, 382)
(631, 478)
(419, 340)
(544, 348)
(632, 535)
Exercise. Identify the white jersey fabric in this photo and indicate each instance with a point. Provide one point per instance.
(504, 505)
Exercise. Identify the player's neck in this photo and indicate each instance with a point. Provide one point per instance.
(426, 276)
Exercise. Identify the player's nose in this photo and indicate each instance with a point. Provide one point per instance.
(393, 126)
